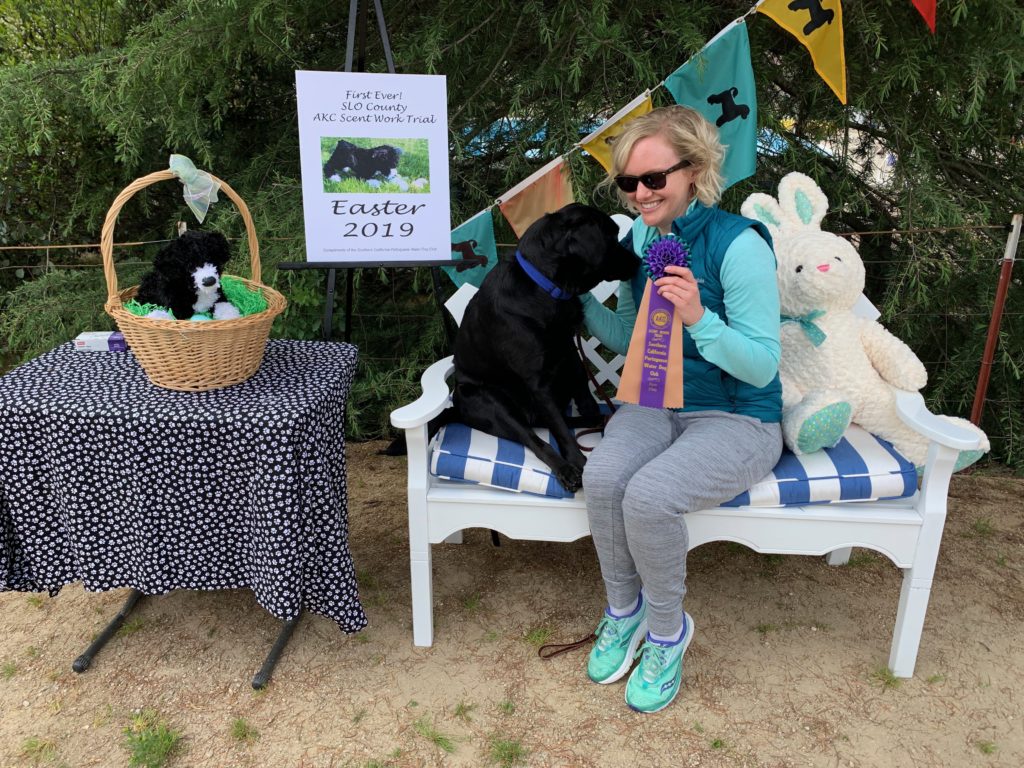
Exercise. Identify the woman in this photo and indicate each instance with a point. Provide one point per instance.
(655, 465)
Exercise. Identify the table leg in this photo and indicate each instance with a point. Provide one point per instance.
(259, 682)
(83, 662)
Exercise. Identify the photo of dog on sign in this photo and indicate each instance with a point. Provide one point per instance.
(362, 164)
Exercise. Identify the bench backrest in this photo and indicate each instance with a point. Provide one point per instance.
(606, 364)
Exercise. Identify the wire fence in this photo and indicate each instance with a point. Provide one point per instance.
(389, 332)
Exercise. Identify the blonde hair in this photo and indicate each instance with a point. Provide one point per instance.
(690, 135)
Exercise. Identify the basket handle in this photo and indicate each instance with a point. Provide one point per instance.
(107, 233)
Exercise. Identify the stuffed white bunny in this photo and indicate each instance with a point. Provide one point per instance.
(836, 367)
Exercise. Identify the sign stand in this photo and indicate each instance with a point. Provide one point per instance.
(357, 31)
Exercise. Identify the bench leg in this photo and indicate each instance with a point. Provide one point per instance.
(909, 624)
(839, 556)
(422, 577)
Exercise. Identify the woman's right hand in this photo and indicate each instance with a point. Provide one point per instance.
(680, 287)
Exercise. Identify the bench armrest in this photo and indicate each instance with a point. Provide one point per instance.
(912, 409)
(435, 398)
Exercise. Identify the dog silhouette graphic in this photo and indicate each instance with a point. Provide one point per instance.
(468, 254)
(730, 109)
(819, 16)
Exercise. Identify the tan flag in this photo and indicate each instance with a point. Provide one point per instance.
(545, 191)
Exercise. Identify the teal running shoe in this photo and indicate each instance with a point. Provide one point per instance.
(655, 681)
(617, 641)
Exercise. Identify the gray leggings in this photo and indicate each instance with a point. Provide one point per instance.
(651, 468)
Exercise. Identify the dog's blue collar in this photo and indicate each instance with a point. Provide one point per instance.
(545, 285)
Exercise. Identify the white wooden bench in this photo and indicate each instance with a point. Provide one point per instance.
(906, 530)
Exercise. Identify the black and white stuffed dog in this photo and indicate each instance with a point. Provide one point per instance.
(363, 163)
(186, 278)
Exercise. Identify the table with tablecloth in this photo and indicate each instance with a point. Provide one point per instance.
(111, 481)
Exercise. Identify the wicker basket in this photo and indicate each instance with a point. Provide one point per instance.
(184, 355)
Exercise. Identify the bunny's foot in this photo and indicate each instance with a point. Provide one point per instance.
(815, 424)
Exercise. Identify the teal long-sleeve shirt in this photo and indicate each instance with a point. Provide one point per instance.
(747, 347)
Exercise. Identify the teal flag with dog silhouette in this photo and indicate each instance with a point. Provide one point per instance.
(474, 247)
(719, 83)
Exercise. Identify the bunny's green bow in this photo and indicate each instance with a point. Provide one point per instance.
(814, 333)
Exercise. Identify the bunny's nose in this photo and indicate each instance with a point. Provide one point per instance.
(210, 281)
(823, 267)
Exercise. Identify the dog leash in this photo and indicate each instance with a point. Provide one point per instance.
(556, 649)
(597, 390)
(550, 650)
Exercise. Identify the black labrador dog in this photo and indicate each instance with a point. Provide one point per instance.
(515, 362)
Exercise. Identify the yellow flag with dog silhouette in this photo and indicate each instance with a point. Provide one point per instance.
(818, 25)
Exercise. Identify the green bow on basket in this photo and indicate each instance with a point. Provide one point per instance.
(200, 188)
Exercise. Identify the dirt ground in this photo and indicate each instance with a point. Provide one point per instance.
(787, 667)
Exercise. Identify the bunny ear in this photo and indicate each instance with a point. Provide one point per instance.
(765, 209)
(802, 200)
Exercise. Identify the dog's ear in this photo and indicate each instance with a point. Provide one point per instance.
(168, 258)
(217, 249)
(540, 238)
(589, 252)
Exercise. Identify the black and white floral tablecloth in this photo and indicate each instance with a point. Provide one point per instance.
(111, 481)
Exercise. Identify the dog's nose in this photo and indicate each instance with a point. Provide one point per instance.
(823, 267)
(208, 281)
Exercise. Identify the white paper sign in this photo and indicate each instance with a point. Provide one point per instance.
(374, 158)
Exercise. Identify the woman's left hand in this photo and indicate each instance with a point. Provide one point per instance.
(680, 287)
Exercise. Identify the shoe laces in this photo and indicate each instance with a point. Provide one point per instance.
(609, 632)
(653, 660)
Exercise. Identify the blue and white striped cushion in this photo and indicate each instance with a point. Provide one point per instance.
(471, 456)
(860, 468)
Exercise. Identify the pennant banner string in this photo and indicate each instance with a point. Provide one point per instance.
(614, 119)
(721, 32)
(625, 110)
(539, 174)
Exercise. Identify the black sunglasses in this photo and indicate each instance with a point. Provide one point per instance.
(653, 180)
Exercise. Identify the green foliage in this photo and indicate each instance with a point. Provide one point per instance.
(885, 678)
(57, 307)
(507, 752)
(425, 728)
(987, 747)
(39, 750)
(149, 740)
(94, 104)
(242, 731)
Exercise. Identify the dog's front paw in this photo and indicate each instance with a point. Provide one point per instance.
(570, 477)
(577, 459)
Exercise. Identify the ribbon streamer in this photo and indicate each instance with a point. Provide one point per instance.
(200, 188)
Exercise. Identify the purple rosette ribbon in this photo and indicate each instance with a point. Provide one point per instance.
(665, 251)
(660, 253)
